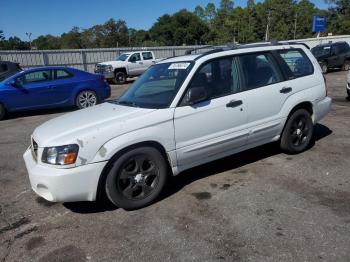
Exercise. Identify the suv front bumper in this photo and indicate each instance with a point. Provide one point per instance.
(63, 184)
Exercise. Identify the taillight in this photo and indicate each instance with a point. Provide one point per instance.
(325, 84)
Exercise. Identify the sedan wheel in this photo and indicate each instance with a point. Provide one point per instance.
(346, 66)
(86, 99)
(136, 178)
(324, 67)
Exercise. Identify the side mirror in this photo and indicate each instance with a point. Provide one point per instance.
(14, 84)
(195, 95)
(132, 60)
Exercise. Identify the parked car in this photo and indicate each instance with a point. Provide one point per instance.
(348, 86)
(129, 64)
(51, 87)
(182, 112)
(333, 55)
(8, 69)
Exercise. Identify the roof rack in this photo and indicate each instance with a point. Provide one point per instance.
(232, 46)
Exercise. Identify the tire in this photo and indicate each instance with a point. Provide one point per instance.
(127, 184)
(86, 98)
(2, 111)
(119, 78)
(346, 66)
(297, 133)
(324, 67)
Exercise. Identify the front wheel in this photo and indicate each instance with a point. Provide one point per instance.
(119, 78)
(346, 66)
(136, 178)
(324, 67)
(297, 132)
(86, 99)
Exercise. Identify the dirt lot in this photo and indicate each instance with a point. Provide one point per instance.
(260, 205)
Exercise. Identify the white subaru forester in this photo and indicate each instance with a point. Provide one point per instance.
(182, 112)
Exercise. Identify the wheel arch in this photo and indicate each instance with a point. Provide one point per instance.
(121, 69)
(109, 165)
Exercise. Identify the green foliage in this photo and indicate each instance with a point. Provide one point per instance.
(285, 19)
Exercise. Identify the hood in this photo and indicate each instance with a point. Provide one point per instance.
(112, 63)
(90, 123)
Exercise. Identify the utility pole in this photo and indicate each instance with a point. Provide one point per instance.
(30, 41)
(267, 33)
(295, 23)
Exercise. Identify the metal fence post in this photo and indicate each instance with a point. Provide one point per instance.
(83, 59)
(44, 59)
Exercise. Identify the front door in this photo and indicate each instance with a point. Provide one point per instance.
(136, 65)
(32, 90)
(216, 125)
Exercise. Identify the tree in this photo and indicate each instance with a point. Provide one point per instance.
(46, 42)
(199, 11)
(72, 39)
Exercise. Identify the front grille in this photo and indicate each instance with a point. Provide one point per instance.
(34, 149)
(100, 69)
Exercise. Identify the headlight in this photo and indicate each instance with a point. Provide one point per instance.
(60, 155)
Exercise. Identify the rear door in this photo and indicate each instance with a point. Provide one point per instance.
(148, 59)
(270, 78)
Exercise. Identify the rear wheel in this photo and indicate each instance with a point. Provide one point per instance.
(346, 66)
(86, 98)
(136, 178)
(2, 111)
(297, 132)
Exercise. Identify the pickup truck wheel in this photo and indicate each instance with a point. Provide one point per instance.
(120, 78)
(136, 178)
(86, 99)
(297, 132)
(2, 111)
(324, 67)
(346, 66)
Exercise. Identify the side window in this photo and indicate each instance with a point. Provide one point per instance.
(61, 74)
(3, 68)
(297, 62)
(219, 78)
(36, 76)
(147, 55)
(259, 69)
(135, 57)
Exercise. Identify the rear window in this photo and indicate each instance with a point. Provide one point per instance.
(61, 74)
(147, 55)
(298, 63)
(321, 50)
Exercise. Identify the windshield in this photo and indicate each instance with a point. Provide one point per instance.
(157, 87)
(122, 57)
(321, 50)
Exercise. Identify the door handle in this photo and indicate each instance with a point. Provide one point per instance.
(141, 63)
(234, 103)
(286, 90)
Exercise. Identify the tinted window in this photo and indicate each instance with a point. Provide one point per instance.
(219, 77)
(147, 56)
(36, 76)
(298, 63)
(259, 70)
(321, 50)
(344, 47)
(135, 57)
(60, 74)
(3, 68)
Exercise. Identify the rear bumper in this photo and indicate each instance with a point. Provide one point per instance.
(63, 185)
(322, 108)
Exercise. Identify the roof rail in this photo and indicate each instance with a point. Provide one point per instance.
(189, 51)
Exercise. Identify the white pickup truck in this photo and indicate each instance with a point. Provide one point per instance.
(129, 64)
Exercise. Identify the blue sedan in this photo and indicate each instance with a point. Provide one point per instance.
(51, 87)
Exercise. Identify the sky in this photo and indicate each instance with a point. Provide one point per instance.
(55, 17)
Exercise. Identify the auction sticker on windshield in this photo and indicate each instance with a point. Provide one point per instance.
(179, 65)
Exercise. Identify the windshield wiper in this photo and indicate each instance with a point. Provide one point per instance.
(127, 103)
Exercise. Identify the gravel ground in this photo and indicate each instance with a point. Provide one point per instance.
(259, 205)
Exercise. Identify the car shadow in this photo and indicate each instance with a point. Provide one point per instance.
(38, 112)
(187, 177)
